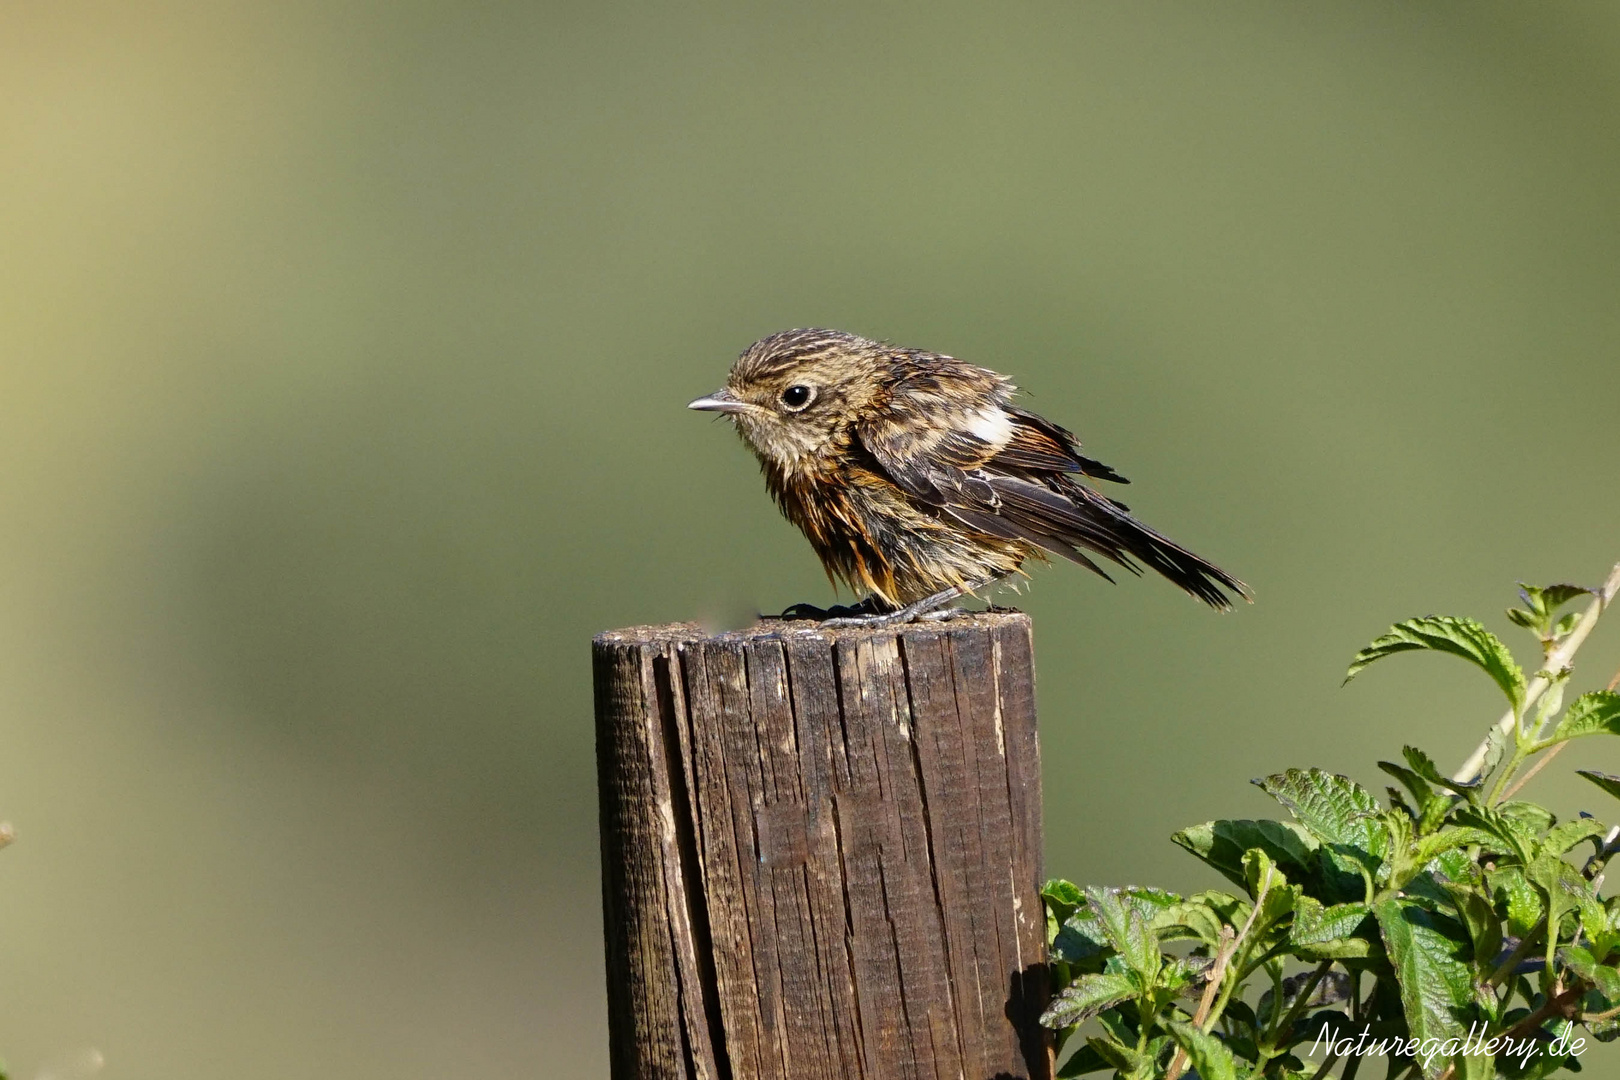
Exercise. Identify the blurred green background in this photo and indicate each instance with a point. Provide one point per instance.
(343, 356)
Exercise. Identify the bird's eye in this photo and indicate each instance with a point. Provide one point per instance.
(795, 398)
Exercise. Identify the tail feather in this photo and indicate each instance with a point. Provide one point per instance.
(1108, 530)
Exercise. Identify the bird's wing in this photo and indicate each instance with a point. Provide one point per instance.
(952, 441)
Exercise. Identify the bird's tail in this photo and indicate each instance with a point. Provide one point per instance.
(1119, 537)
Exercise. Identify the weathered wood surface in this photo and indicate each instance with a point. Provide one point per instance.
(821, 852)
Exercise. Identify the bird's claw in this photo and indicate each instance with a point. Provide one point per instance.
(801, 612)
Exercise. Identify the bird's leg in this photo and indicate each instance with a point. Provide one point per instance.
(926, 608)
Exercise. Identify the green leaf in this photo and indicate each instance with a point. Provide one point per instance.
(1532, 818)
(1594, 713)
(1080, 938)
(1221, 844)
(1335, 809)
(1552, 597)
(1605, 979)
(1518, 898)
(1270, 889)
(1476, 1066)
(1571, 833)
(1195, 916)
(1063, 893)
(1062, 899)
(1466, 638)
(1350, 948)
(1127, 932)
(1430, 954)
(1542, 603)
(1087, 996)
(1510, 836)
(1082, 1061)
(1116, 1054)
(1434, 845)
(1423, 765)
(1314, 924)
(1207, 1053)
(1421, 791)
(1484, 927)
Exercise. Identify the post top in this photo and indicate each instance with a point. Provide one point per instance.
(781, 629)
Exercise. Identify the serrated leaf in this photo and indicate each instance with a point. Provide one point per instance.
(1561, 885)
(1533, 818)
(1593, 713)
(1518, 898)
(1087, 996)
(1149, 903)
(1430, 954)
(1466, 638)
(1335, 809)
(1350, 948)
(1540, 605)
(1423, 765)
(1549, 598)
(1202, 921)
(1127, 932)
(1207, 1053)
(1508, 836)
(1570, 833)
(1422, 793)
(1434, 845)
(1456, 867)
(1603, 978)
(1233, 910)
(1222, 843)
(1314, 924)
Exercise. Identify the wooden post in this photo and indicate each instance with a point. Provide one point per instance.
(821, 852)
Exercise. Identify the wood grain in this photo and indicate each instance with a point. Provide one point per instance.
(821, 852)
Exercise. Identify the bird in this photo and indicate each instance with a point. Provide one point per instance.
(917, 480)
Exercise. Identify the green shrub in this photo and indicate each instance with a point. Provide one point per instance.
(1453, 928)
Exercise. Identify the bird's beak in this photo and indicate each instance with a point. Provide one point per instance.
(720, 401)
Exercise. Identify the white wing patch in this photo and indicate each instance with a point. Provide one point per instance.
(990, 425)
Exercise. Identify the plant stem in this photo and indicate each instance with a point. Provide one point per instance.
(1558, 1005)
(1522, 950)
(1506, 774)
(1217, 972)
(1557, 660)
(1541, 763)
(1206, 1016)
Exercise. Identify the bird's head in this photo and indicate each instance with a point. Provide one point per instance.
(795, 395)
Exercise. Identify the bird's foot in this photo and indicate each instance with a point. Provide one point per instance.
(800, 612)
(929, 607)
(870, 615)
